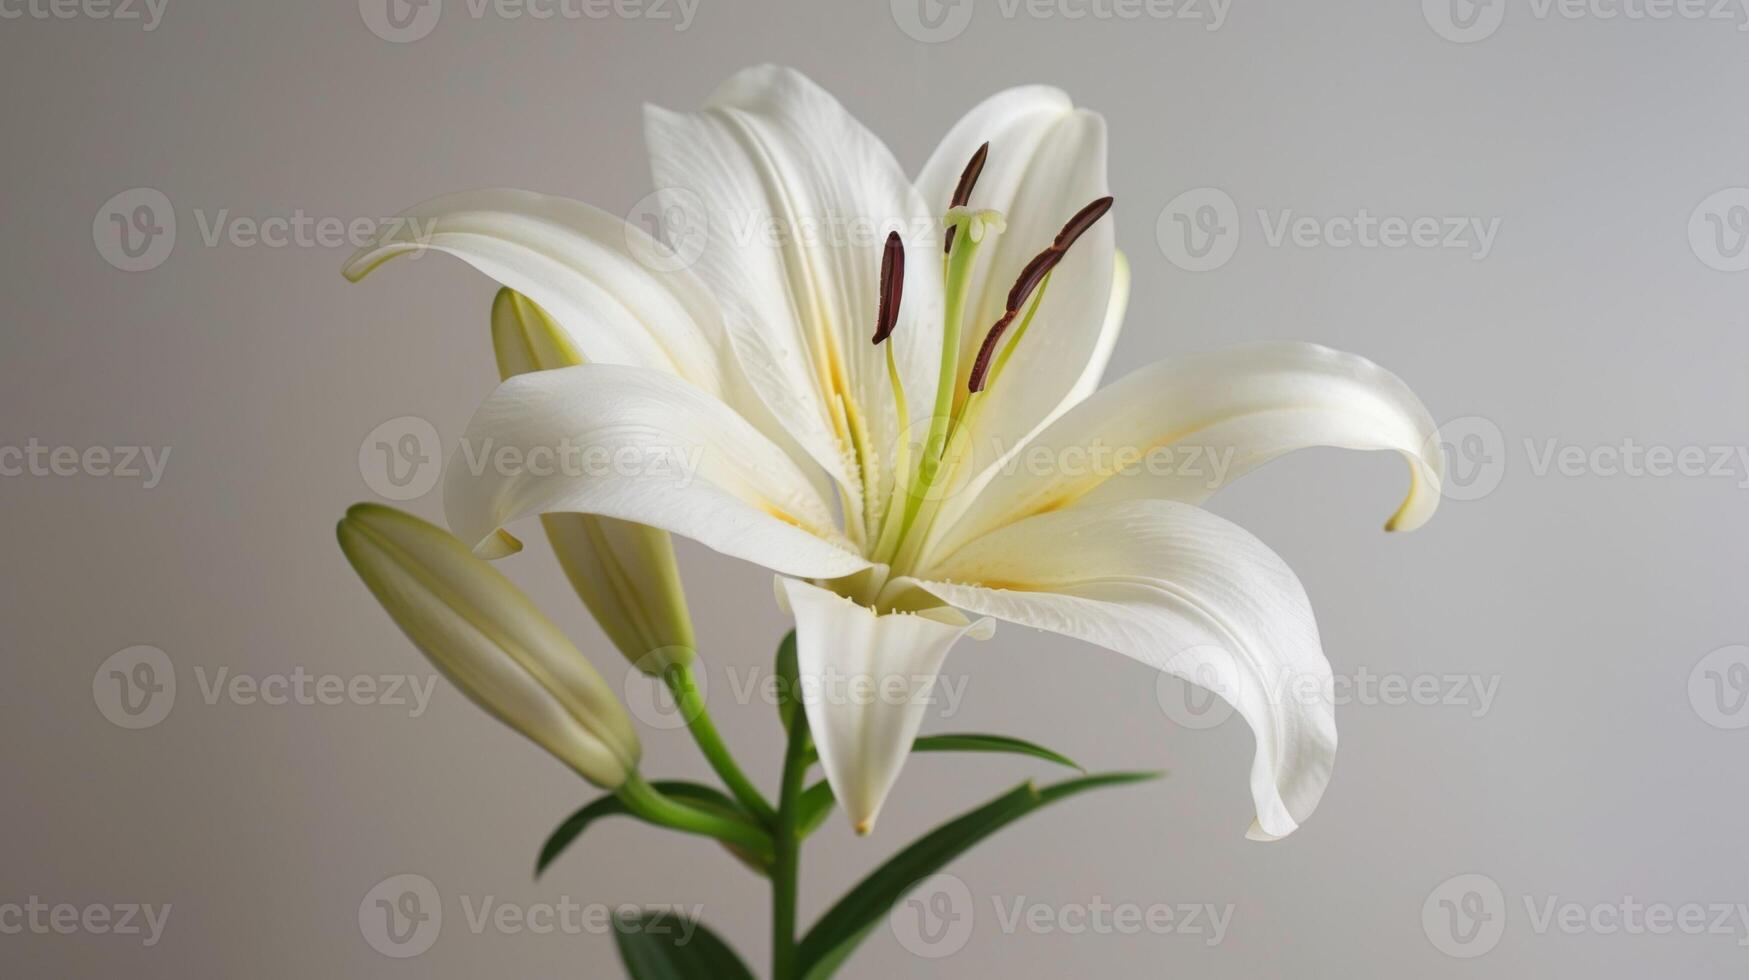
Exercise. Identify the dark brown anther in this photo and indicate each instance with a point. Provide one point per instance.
(1031, 275)
(892, 286)
(987, 351)
(1041, 265)
(1082, 221)
(962, 191)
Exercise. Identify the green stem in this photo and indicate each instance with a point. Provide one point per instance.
(787, 841)
(648, 802)
(692, 707)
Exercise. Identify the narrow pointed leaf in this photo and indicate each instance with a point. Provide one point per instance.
(607, 806)
(836, 935)
(968, 742)
(663, 947)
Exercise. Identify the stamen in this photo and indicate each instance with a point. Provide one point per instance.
(981, 366)
(892, 287)
(962, 191)
(1034, 272)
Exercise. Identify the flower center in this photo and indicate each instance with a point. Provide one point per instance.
(920, 483)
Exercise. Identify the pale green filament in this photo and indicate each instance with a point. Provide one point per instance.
(974, 228)
(895, 515)
(964, 423)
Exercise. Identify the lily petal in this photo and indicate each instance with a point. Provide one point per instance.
(579, 263)
(798, 198)
(865, 682)
(1047, 160)
(1185, 592)
(1182, 428)
(644, 446)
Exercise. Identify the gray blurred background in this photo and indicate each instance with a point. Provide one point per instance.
(1544, 724)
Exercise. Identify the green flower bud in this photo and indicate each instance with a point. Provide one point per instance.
(487, 637)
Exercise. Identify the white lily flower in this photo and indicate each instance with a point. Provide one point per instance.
(945, 469)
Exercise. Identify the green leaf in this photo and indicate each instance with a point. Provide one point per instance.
(836, 935)
(968, 742)
(664, 946)
(610, 805)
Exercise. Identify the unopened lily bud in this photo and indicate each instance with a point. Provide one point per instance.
(487, 637)
(624, 572)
